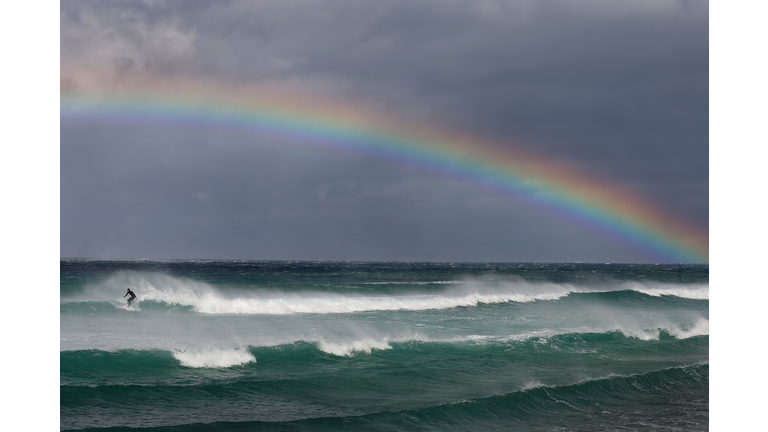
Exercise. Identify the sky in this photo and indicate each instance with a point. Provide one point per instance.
(600, 62)
(615, 91)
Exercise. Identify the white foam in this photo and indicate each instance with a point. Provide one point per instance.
(214, 358)
(348, 349)
(209, 299)
(692, 291)
(642, 334)
(698, 328)
(533, 384)
(277, 303)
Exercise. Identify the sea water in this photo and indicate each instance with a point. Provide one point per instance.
(294, 346)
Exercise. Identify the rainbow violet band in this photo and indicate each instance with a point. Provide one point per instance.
(581, 200)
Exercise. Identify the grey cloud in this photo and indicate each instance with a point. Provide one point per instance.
(192, 199)
(618, 89)
(99, 35)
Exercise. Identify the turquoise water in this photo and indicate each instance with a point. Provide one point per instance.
(224, 345)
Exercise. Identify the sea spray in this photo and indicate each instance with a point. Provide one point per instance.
(225, 345)
(349, 349)
(211, 299)
(213, 358)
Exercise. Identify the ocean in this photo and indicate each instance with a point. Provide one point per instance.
(383, 346)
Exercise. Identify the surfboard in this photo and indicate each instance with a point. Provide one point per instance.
(132, 308)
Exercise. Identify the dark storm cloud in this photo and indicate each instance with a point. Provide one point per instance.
(619, 89)
(187, 198)
(587, 73)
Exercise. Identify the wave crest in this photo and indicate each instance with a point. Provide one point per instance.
(699, 328)
(696, 292)
(349, 349)
(209, 299)
(214, 358)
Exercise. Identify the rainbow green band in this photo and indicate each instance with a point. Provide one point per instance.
(574, 197)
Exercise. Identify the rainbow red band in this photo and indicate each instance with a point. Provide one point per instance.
(563, 193)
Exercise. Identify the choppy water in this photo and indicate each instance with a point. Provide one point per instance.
(219, 345)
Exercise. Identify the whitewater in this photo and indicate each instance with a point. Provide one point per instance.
(237, 345)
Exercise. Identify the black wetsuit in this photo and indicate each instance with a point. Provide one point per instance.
(133, 297)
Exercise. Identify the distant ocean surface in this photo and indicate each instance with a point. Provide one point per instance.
(321, 346)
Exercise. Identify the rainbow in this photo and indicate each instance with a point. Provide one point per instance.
(587, 202)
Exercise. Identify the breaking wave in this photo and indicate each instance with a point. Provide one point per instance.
(206, 298)
(214, 358)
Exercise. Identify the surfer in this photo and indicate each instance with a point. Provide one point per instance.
(132, 298)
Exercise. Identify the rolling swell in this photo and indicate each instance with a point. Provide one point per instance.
(383, 346)
(602, 404)
(115, 366)
(669, 399)
(411, 377)
(168, 293)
